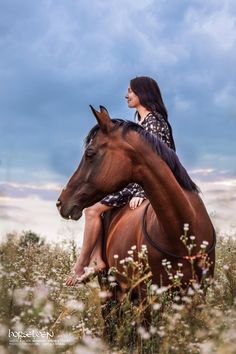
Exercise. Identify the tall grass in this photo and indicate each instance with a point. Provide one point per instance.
(59, 319)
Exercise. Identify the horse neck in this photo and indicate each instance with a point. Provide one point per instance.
(168, 199)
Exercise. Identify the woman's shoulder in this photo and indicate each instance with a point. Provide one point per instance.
(154, 118)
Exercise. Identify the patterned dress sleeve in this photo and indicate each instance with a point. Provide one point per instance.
(158, 127)
(123, 196)
(136, 190)
(118, 199)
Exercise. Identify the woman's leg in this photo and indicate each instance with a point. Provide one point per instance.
(96, 260)
(92, 242)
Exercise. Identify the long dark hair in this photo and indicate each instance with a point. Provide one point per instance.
(150, 97)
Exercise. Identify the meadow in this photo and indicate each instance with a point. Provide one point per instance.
(39, 314)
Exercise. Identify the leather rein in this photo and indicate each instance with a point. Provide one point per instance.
(160, 249)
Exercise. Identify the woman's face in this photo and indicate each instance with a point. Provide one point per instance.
(132, 99)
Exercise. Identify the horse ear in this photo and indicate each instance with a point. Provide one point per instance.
(103, 118)
(104, 110)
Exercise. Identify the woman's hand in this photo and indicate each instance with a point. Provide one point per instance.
(135, 202)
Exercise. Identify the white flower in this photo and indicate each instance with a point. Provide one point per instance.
(180, 274)
(20, 296)
(153, 330)
(186, 299)
(161, 290)
(92, 345)
(141, 330)
(104, 294)
(156, 306)
(154, 287)
(75, 305)
(190, 291)
(133, 247)
(113, 284)
(177, 307)
(176, 298)
(41, 292)
(111, 278)
(116, 256)
(196, 286)
(145, 335)
(161, 333)
(186, 227)
(66, 338)
(144, 248)
(192, 237)
(206, 347)
(225, 267)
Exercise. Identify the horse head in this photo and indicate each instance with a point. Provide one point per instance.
(104, 168)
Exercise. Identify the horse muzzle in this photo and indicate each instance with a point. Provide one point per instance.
(73, 213)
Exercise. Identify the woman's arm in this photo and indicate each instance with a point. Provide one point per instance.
(136, 190)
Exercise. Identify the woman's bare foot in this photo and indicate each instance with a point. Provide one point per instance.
(81, 274)
(97, 264)
(77, 271)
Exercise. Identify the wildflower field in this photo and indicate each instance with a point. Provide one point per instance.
(39, 314)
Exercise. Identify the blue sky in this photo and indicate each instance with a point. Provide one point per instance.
(57, 57)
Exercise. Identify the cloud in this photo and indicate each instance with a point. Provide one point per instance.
(40, 216)
(212, 175)
(30, 207)
(224, 98)
(58, 59)
(214, 24)
(16, 190)
(219, 196)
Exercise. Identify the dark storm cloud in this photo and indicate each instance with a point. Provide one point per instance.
(57, 58)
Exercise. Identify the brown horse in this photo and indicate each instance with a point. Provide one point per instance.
(119, 152)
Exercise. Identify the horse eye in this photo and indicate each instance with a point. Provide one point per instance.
(90, 153)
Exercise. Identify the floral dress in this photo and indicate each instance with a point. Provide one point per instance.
(155, 124)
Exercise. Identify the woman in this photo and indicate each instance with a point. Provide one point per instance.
(144, 95)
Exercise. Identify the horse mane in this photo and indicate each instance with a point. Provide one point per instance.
(166, 153)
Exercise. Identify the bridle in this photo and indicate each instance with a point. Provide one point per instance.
(160, 249)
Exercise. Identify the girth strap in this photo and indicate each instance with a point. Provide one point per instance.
(160, 249)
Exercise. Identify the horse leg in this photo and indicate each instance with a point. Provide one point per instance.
(109, 306)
